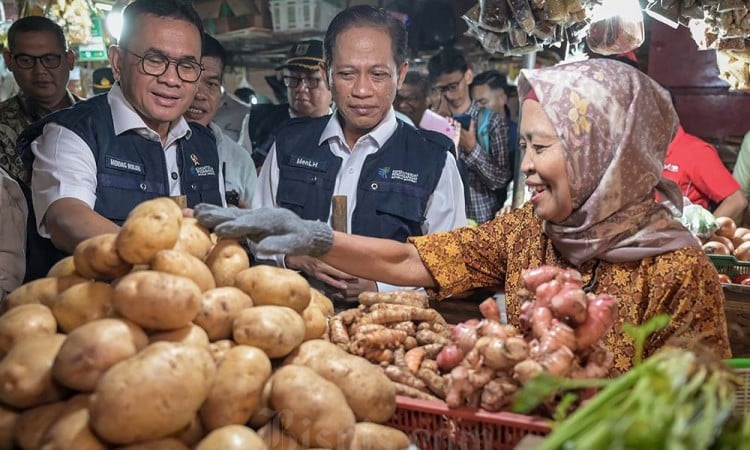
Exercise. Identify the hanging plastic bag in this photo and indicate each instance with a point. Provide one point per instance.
(494, 15)
(616, 27)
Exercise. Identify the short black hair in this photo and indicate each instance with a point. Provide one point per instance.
(447, 60)
(213, 48)
(366, 15)
(414, 78)
(493, 79)
(167, 9)
(35, 23)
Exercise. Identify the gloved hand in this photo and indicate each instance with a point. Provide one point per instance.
(275, 230)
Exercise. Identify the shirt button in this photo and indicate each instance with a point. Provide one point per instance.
(313, 178)
(351, 170)
(194, 186)
(174, 175)
(374, 186)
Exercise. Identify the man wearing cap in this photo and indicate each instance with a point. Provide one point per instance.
(307, 93)
(103, 80)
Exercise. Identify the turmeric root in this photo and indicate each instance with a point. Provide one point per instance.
(434, 381)
(402, 389)
(403, 376)
(404, 297)
(425, 337)
(380, 356)
(384, 338)
(413, 358)
(432, 350)
(399, 357)
(338, 332)
(498, 393)
(390, 315)
(410, 342)
(409, 327)
(430, 364)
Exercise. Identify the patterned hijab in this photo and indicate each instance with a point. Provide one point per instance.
(615, 124)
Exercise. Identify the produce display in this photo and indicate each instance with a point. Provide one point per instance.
(726, 238)
(481, 363)
(160, 337)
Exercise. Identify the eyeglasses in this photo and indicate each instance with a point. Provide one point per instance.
(156, 65)
(450, 87)
(293, 82)
(48, 60)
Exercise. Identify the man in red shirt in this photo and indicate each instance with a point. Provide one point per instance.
(695, 166)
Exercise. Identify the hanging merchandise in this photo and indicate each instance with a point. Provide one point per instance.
(616, 27)
(74, 16)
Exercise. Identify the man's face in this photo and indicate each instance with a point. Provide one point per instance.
(208, 98)
(159, 100)
(411, 101)
(454, 87)
(42, 84)
(311, 96)
(364, 78)
(487, 97)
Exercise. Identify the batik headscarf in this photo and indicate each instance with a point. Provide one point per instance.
(615, 124)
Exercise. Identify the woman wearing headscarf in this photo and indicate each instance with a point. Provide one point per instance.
(595, 134)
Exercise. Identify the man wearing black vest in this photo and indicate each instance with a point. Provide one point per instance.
(399, 181)
(95, 162)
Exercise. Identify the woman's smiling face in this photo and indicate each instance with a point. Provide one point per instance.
(544, 164)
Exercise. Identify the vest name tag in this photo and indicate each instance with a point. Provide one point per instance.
(307, 163)
(204, 171)
(120, 164)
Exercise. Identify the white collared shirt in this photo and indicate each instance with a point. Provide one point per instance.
(65, 167)
(235, 164)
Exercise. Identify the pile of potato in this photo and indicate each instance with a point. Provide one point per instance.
(159, 337)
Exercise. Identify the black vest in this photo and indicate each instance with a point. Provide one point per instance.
(394, 187)
(130, 169)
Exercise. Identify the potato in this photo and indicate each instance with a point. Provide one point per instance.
(220, 348)
(321, 301)
(371, 436)
(315, 322)
(232, 437)
(264, 412)
(62, 268)
(70, 430)
(268, 285)
(157, 444)
(194, 239)
(8, 420)
(152, 395)
(25, 321)
(277, 330)
(218, 308)
(97, 257)
(191, 434)
(81, 304)
(311, 408)
(226, 260)
(91, 349)
(190, 334)
(369, 393)
(43, 290)
(237, 387)
(32, 423)
(151, 226)
(26, 372)
(276, 439)
(185, 265)
(160, 301)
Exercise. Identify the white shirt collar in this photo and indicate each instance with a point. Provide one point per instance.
(380, 134)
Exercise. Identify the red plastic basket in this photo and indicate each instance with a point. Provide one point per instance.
(434, 426)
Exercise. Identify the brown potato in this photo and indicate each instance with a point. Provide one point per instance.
(232, 437)
(194, 239)
(226, 260)
(321, 301)
(151, 226)
(8, 420)
(91, 349)
(190, 334)
(371, 436)
(24, 321)
(185, 265)
(268, 285)
(157, 444)
(264, 412)
(26, 372)
(218, 308)
(191, 434)
(220, 348)
(315, 322)
(155, 300)
(311, 408)
(152, 395)
(97, 257)
(369, 393)
(43, 290)
(32, 423)
(70, 430)
(235, 394)
(277, 330)
(62, 268)
(81, 304)
(276, 439)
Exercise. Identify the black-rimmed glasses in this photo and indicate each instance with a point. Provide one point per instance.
(450, 87)
(293, 82)
(48, 60)
(156, 65)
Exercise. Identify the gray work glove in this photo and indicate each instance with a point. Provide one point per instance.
(275, 230)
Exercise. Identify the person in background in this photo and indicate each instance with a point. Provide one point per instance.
(95, 162)
(303, 74)
(741, 173)
(103, 79)
(695, 166)
(12, 235)
(594, 172)
(411, 98)
(236, 165)
(483, 145)
(233, 118)
(398, 181)
(41, 63)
